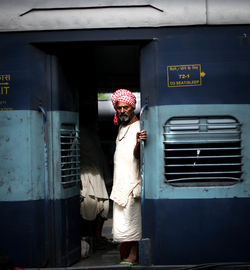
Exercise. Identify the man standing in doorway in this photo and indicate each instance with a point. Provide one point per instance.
(126, 190)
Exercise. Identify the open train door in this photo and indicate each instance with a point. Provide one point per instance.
(64, 166)
(56, 103)
(39, 162)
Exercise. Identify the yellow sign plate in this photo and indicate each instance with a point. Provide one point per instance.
(184, 75)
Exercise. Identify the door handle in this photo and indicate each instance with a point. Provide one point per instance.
(144, 107)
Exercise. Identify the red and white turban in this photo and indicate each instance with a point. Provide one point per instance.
(125, 96)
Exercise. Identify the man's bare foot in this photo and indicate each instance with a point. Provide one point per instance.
(130, 260)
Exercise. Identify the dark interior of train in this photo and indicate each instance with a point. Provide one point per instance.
(96, 71)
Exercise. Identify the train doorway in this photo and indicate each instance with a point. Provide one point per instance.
(107, 67)
(83, 77)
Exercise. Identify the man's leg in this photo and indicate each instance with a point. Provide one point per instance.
(124, 250)
(98, 229)
(133, 253)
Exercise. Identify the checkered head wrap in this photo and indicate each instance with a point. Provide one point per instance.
(123, 95)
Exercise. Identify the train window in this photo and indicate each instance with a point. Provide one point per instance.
(202, 151)
(70, 155)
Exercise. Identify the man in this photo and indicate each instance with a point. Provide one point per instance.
(126, 190)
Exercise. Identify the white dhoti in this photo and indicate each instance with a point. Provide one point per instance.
(126, 189)
(127, 221)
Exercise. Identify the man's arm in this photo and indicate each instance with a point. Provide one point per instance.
(142, 135)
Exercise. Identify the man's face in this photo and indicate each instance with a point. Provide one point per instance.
(124, 111)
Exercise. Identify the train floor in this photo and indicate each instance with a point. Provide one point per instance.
(106, 254)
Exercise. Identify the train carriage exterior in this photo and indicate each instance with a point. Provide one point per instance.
(191, 63)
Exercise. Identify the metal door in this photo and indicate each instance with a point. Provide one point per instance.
(64, 166)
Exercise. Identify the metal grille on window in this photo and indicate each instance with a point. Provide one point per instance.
(202, 151)
(70, 155)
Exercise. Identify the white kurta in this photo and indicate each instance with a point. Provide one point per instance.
(126, 191)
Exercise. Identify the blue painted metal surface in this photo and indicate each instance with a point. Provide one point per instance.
(42, 227)
(193, 231)
(24, 232)
(21, 150)
(224, 58)
(40, 223)
(156, 118)
(189, 225)
(222, 52)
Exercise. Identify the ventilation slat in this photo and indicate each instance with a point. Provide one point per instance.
(71, 182)
(200, 132)
(199, 179)
(202, 151)
(70, 136)
(70, 155)
(201, 148)
(203, 173)
(75, 149)
(204, 157)
(70, 175)
(204, 165)
(70, 169)
(69, 143)
(73, 162)
(204, 141)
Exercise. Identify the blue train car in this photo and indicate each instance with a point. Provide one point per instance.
(190, 62)
(197, 186)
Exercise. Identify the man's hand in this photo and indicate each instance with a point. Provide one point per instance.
(142, 135)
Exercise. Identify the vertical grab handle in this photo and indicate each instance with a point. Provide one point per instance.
(144, 107)
(46, 180)
(41, 109)
(45, 153)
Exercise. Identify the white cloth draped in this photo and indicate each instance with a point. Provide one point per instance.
(95, 195)
(94, 174)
